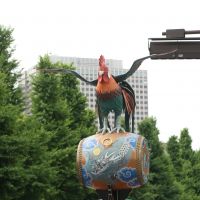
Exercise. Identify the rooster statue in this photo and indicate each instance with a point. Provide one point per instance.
(113, 93)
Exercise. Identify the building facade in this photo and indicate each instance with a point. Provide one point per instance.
(88, 68)
(26, 87)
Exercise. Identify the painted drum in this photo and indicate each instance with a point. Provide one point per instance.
(120, 160)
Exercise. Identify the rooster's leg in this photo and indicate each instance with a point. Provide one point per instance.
(118, 127)
(105, 126)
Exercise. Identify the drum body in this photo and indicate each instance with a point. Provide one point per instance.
(120, 160)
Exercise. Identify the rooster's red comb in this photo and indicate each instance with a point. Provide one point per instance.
(101, 60)
(102, 64)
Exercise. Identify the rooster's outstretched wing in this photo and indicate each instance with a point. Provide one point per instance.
(68, 71)
(136, 65)
(118, 78)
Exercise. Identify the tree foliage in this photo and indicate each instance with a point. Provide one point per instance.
(38, 152)
(186, 145)
(24, 167)
(173, 148)
(61, 109)
(9, 111)
(186, 164)
(162, 183)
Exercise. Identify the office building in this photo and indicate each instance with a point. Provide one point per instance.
(26, 86)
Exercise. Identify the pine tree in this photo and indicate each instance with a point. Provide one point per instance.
(25, 172)
(191, 168)
(9, 65)
(9, 111)
(38, 173)
(186, 145)
(162, 184)
(186, 165)
(173, 148)
(196, 174)
(61, 109)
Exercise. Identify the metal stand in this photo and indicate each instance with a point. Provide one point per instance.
(111, 194)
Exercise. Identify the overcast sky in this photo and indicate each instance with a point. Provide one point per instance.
(118, 29)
